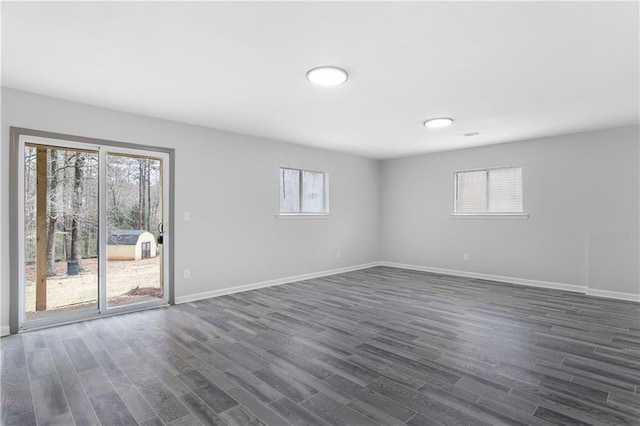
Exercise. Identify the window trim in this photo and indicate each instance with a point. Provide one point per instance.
(300, 214)
(487, 215)
(288, 216)
(490, 216)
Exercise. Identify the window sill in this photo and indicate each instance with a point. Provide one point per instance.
(302, 216)
(514, 216)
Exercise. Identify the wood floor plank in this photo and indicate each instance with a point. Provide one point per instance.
(49, 398)
(80, 355)
(107, 364)
(79, 404)
(285, 383)
(371, 398)
(155, 421)
(28, 418)
(573, 407)
(188, 420)
(265, 413)
(426, 406)
(201, 410)
(376, 415)
(167, 406)
(34, 341)
(383, 369)
(111, 410)
(295, 414)
(95, 382)
(214, 397)
(12, 353)
(302, 363)
(360, 375)
(137, 405)
(557, 418)
(15, 393)
(40, 363)
(240, 416)
(254, 386)
(59, 354)
(333, 412)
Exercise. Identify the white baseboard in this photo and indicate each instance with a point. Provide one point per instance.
(270, 283)
(4, 330)
(613, 295)
(478, 275)
(521, 281)
(467, 274)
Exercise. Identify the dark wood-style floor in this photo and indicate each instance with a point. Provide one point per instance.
(379, 346)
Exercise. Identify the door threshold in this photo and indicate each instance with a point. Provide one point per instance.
(44, 324)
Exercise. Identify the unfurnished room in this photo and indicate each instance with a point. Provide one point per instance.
(305, 213)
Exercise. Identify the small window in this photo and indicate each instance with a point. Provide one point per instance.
(489, 191)
(303, 191)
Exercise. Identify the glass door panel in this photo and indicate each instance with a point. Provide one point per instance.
(134, 213)
(60, 243)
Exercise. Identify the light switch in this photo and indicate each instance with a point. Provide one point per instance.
(187, 216)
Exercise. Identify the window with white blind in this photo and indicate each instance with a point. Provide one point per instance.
(303, 191)
(496, 191)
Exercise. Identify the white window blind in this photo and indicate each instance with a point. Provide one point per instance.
(289, 191)
(489, 191)
(302, 191)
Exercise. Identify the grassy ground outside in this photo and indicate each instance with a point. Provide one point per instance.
(128, 281)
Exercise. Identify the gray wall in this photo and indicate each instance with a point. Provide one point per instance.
(229, 183)
(581, 192)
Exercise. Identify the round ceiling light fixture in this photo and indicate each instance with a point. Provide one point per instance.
(327, 76)
(435, 123)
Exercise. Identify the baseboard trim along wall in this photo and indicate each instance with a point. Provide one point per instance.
(511, 280)
(613, 295)
(271, 283)
(467, 274)
(520, 281)
(4, 331)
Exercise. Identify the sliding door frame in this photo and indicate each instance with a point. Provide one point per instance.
(16, 221)
(165, 160)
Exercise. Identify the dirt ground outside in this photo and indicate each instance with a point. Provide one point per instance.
(128, 281)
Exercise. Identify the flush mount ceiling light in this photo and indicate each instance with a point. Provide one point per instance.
(327, 76)
(434, 123)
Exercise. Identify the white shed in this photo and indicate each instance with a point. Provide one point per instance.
(134, 244)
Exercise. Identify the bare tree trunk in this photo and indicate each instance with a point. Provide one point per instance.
(148, 211)
(140, 194)
(52, 222)
(76, 243)
(52, 231)
(66, 199)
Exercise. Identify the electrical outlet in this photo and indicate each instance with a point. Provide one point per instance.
(466, 256)
(187, 274)
(338, 254)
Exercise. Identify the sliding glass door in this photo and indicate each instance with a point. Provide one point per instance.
(93, 227)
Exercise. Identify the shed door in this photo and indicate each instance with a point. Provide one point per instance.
(146, 250)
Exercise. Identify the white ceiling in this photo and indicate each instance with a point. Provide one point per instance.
(509, 71)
